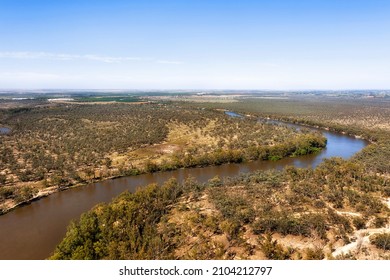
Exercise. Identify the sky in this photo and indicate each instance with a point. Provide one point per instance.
(195, 44)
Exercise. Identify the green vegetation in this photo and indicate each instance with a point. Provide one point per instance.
(124, 99)
(57, 146)
(124, 229)
(382, 240)
(274, 251)
(288, 214)
(240, 217)
(356, 116)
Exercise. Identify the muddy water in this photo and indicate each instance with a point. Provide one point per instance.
(33, 231)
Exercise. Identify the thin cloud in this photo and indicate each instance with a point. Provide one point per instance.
(66, 57)
(39, 55)
(169, 62)
(18, 77)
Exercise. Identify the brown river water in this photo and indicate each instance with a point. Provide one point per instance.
(33, 231)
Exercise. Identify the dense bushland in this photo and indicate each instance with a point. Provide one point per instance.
(185, 221)
(62, 145)
(124, 229)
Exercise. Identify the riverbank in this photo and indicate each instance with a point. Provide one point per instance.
(305, 144)
(42, 159)
(277, 214)
(297, 123)
(50, 217)
(370, 136)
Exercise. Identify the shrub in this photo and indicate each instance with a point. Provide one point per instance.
(272, 250)
(6, 193)
(314, 254)
(230, 228)
(215, 182)
(380, 222)
(25, 193)
(3, 179)
(381, 240)
(359, 223)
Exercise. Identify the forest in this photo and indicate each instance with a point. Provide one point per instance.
(55, 146)
(339, 210)
(268, 214)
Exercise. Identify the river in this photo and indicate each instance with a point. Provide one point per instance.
(33, 231)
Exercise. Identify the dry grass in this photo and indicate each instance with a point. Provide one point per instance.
(199, 235)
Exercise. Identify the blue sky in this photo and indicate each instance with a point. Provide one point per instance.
(270, 44)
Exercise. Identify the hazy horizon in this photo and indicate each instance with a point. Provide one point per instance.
(179, 90)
